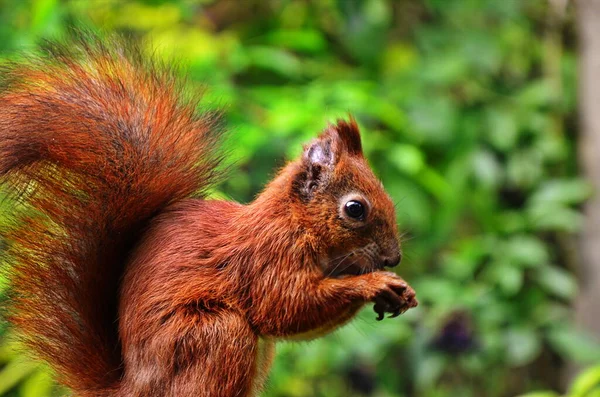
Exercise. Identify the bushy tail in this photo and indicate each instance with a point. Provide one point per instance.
(94, 142)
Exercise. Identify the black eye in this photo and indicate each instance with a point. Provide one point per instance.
(355, 209)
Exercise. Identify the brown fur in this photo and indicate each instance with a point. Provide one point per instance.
(129, 287)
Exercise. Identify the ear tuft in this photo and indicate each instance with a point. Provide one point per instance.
(349, 135)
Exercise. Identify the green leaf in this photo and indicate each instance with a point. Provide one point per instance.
(524, 168)
(302, 40)
(574, 344)
(537, 94)
(557, 281)
(276, 60)
(507, 276)
(487, 169)
(562, 191)
(502, 128)
(43, 12)
(407, 158)
(510, 279)
(436, 290)
(523, 346)
(554, 218)
(594, 393)
(430, 368)
(14, 372)
(524, 250)
(585, 382)
(39, 384)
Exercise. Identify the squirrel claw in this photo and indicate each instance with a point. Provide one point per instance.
(395, 300)
(380, 310)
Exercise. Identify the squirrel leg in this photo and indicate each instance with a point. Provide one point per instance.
(212, 354)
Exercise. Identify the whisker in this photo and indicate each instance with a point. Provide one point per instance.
(340, 260)
(397, 203)
(404, 240)
(343, 256)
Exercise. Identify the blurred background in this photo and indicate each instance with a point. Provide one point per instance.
(472, 117)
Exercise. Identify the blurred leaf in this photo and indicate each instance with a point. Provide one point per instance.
(525, 250)
(14, 372)
(429, 371)
(148, 16)
(400, 57)
(274, 59)
(585, 382)
(536, 94)
(557, 281)
(509, 278)
(407, 158)
(300, 40)
(524, 168)
(557, 218)
(433, 118)
(42, 13)
(502, 128)
(523, 346)
(487, 169)
(565, 192)
(39, 384)
(574, 344)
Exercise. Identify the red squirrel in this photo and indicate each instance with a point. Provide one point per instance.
(127, 279)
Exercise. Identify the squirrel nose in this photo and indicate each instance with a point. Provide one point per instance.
(391, 261)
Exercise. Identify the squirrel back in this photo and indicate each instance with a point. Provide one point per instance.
(93, 142)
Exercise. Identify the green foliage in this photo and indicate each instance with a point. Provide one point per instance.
(467, 110)
(587, 384)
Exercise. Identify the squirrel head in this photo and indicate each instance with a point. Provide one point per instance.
(342, 205)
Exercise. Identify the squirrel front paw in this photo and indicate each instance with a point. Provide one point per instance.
(393, 295)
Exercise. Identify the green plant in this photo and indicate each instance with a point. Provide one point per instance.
(587, 384)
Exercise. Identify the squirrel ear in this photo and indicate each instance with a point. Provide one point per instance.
(322, 154)
(318, 161)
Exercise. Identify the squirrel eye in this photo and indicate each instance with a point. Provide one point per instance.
(355, 209)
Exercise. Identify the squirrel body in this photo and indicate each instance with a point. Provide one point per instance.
(127, 280)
